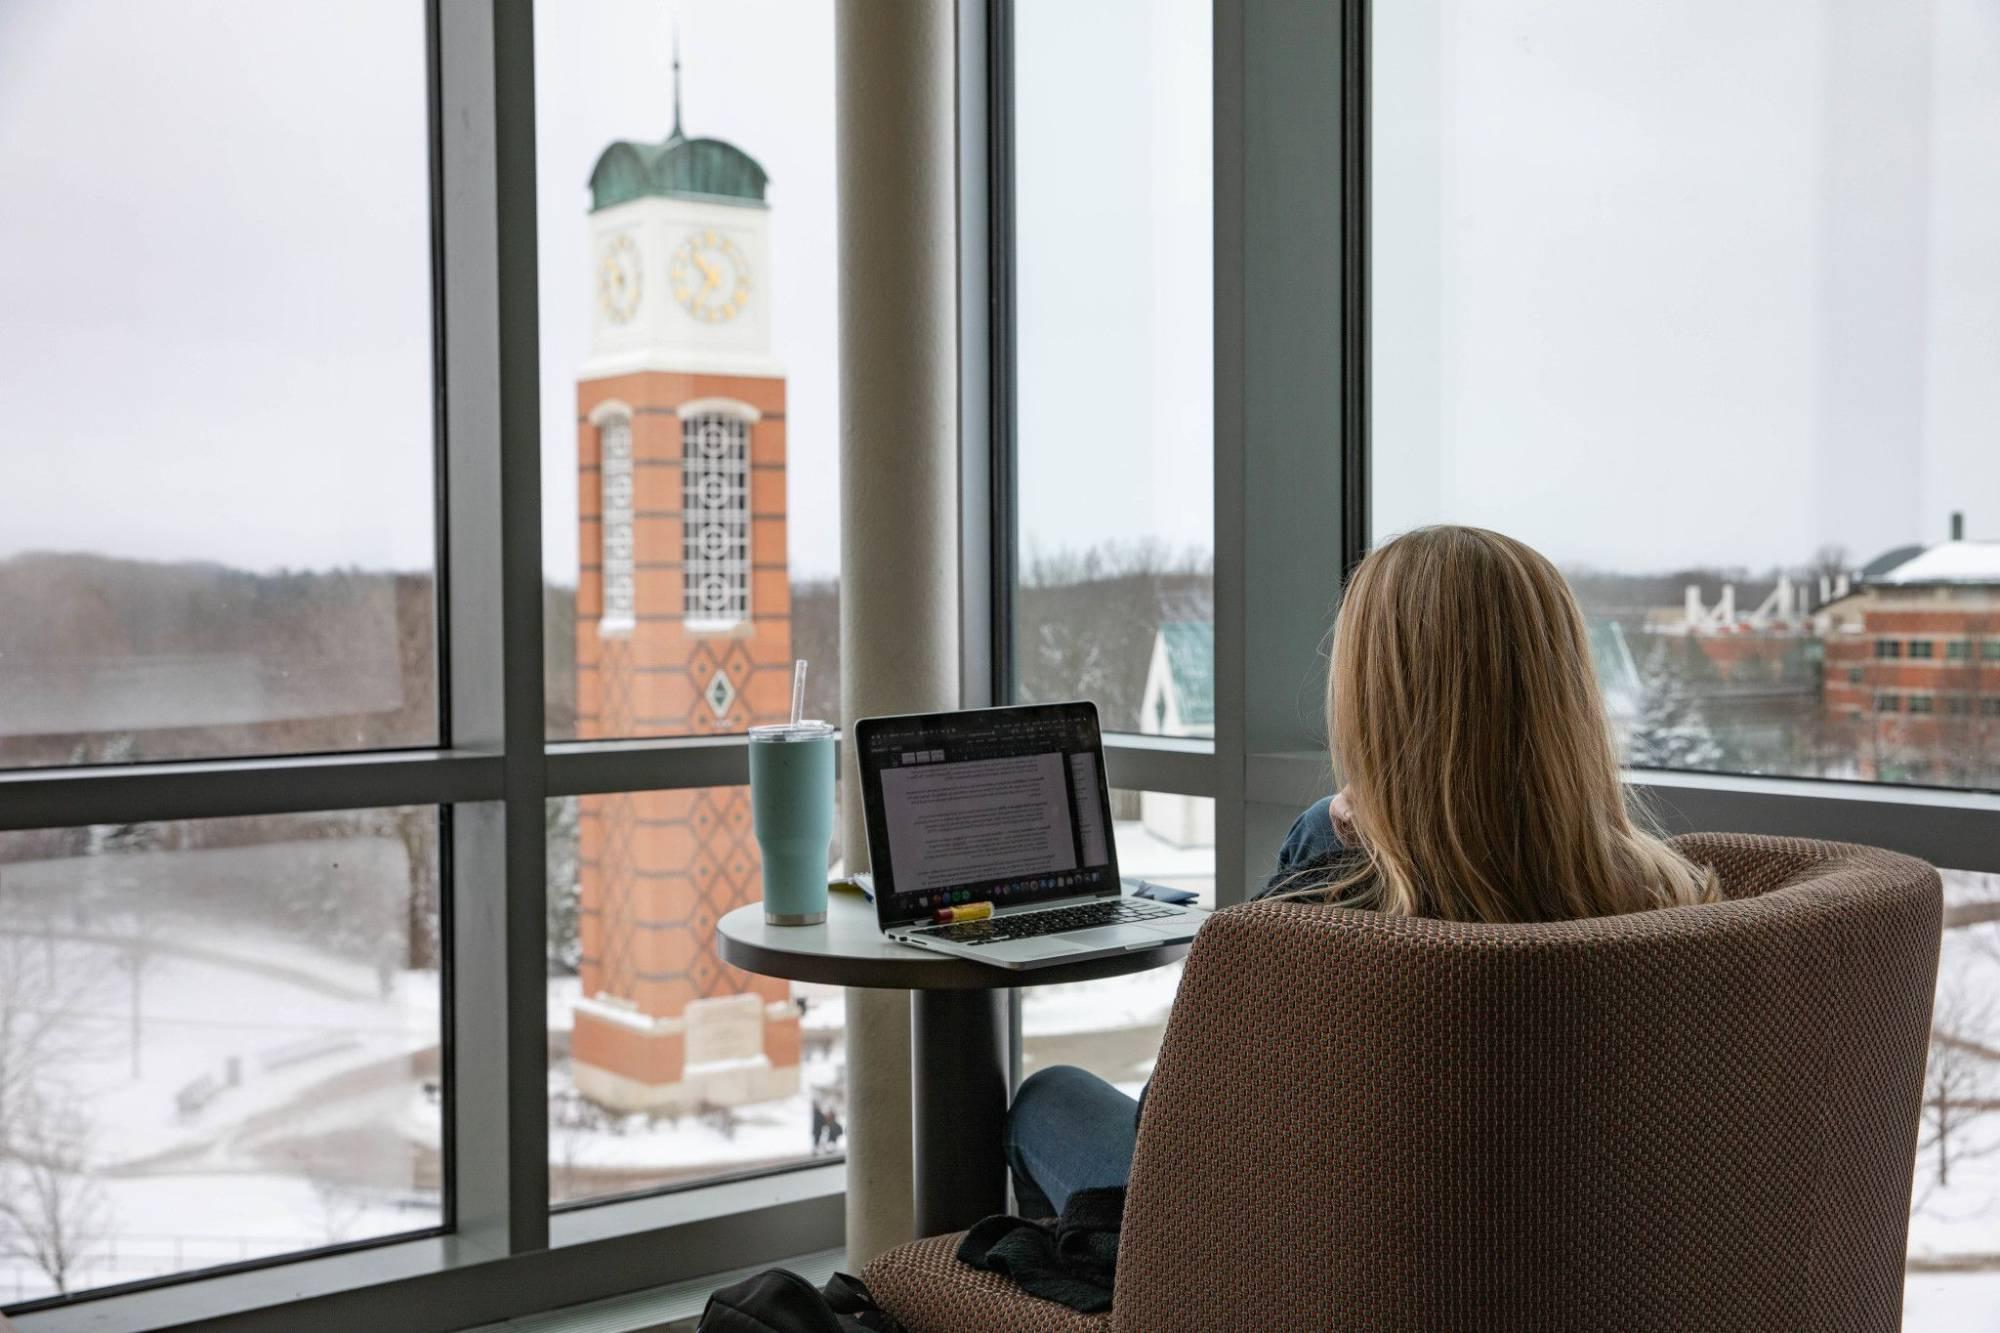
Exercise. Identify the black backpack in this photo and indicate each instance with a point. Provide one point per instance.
(778, 1301)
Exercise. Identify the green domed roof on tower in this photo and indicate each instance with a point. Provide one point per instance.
(701, 168)
(680, 167)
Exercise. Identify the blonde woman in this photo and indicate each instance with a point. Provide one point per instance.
(1481, 785)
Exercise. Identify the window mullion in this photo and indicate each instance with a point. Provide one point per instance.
(1284, 430)
(987, 513)
(492, 611)
(228, 788)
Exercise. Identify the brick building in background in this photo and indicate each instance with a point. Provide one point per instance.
(1913, 658)
(683, 619)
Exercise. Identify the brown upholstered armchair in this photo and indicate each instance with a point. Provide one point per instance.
(1695, 1119)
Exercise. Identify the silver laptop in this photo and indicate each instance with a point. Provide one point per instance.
(1006, 806)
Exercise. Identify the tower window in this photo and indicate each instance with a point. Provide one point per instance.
(715, 489)
(614, 462)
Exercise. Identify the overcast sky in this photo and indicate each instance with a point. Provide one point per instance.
(1642, 296)
(1704, 282)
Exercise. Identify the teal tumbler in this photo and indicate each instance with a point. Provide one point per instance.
(791, 802)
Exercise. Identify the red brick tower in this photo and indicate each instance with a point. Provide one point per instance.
(683, 618)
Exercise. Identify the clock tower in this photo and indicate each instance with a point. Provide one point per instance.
(683, 617)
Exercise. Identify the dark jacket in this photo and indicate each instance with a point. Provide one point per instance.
(1312, 853)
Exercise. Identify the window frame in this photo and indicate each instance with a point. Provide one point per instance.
(990, 459)
(1291, 449)
(502, 1250)
(1279, 209)
(1954, 828)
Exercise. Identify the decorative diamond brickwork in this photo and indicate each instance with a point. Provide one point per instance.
(663, 867)
(616, 969)
(720, 694)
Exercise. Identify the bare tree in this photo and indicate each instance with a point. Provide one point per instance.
(1830, 562)
(52, 1210)
(417, 828)
(1955, 1082)
(339, 1207)
(572, 1119)
(41, 993)
(1972, 904)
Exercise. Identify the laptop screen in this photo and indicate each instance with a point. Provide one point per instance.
(1006, 805)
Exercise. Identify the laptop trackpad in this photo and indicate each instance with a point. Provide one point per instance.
(1037, 950)
(1111, 937)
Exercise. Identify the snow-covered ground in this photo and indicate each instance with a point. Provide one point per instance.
(1951, 1303)
(246, 1095)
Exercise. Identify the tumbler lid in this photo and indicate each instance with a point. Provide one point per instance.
(808, 730)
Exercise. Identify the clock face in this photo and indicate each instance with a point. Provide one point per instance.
(711, 278)
(618, 280)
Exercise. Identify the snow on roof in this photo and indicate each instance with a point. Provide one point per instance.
(1948, 562)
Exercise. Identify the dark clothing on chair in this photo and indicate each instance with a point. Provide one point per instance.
(1311, 854)
(1072, 1261)
(778, 1300)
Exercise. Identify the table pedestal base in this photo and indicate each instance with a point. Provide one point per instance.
(959, 1106)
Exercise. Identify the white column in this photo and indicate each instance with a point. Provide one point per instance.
(894, 128)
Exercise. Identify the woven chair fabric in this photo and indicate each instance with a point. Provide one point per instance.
(930, 1291)
(1703, 1117)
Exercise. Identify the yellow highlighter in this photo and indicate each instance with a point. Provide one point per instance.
(965, 912)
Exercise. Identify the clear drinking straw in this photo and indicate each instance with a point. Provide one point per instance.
(798, 691)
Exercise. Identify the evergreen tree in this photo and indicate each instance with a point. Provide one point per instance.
(1670, 731)
(564, 901)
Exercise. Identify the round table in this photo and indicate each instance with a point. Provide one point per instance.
(958, 1038)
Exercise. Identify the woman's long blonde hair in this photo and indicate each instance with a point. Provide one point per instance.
(1464, 716)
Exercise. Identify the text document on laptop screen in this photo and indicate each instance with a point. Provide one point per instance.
(1004, 805)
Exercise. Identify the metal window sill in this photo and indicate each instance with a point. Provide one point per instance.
(440, 1283)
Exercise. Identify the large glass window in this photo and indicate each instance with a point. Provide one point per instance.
(668, 1066)
(686, 177)
(1955, 1199)
(225, 1037)
(216, 532)
(689, 368)
(219, 1041)
(1113, 1027)
(1113, 281)
(1713, 325)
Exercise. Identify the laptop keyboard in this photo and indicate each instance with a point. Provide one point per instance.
(1028, 925)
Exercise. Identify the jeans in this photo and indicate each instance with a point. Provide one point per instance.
(1068, 1130)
